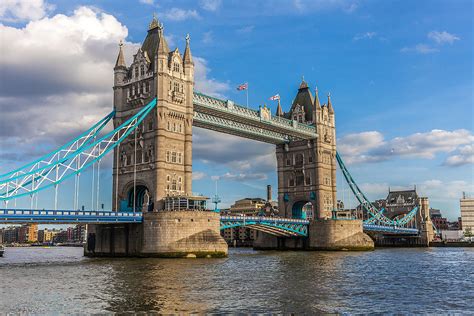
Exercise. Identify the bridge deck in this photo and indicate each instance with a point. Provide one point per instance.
(272, 225)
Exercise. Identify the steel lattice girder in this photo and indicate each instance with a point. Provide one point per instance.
(223, 125)
(229, 111)
(72, 163)
(273, 225)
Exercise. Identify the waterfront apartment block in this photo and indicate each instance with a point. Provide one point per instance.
(467, 213)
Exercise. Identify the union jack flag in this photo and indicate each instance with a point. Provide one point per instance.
(275, 97)
(243, 86)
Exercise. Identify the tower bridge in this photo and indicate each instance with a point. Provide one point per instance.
(154, 212)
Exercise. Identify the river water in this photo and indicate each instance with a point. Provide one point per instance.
(411, 280)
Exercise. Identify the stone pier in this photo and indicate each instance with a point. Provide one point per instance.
(322, 235)
(170, 234)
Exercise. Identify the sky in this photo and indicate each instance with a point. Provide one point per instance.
(400, 74)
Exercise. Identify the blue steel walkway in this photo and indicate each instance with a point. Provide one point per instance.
(278, 226)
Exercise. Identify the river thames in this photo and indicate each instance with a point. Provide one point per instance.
(410, 280)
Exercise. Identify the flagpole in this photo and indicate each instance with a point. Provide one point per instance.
(247, 95)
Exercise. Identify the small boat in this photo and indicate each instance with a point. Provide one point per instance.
(2, 250)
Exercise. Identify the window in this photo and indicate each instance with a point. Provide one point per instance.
(150, 125)
(291, 182)
(141, 88)
(299, 160)
(179, 159)
(310, 159)
(142, 70)
(300, 118)
(148, 86)
(168, 178)
(173, 157)
(288, 161)
(136, 72)
(169, 124)
(179, 179)
(133, 90)
(173, 185)
(175, 67)
(308, 180)
(167, 157)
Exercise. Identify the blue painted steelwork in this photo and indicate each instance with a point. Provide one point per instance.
(73, 163)
(52, 157)
(273, 225)
(24, 216)
(376, 216)
(395, 230)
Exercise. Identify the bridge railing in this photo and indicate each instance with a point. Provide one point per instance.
(231, 107)
(265, 219)
(34, 213)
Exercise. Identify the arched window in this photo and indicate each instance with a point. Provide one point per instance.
(299, 160)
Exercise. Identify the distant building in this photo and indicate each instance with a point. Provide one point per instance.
(247, 206)
(467, 213)
(46, 235)
(32, 233)
(399, 203)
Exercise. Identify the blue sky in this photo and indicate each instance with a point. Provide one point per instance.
(400, 74)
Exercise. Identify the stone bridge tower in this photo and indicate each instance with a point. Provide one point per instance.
(152, 169)
(158, 159)
(307, 169)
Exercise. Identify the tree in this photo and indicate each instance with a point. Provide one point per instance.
(468, 232)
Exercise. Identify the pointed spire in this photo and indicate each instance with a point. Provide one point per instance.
(120, 58)
(279, 111)
(316, 99)
(162, 44)
(154, 23)
(330, 109)
(188, 58)
(303, 84)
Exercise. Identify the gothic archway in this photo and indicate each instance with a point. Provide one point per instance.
(139, 194)
(302, 209)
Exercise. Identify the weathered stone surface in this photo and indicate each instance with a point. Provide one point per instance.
(338, 235)
(171, 234)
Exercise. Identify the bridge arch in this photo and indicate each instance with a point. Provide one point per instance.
(299, 209)
(135, 195)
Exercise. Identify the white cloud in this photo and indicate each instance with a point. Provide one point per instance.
(207, 85)
(210, 5)
(438, 190)
(150, 2)
(207, 37)
(240, 177)
(23, 10)
(439, 38)
(442, 37)
(198, 175)
(348, 6)
(464, 156)
(420, 48)
(366, 35)
(245, 29)
(177, 14)
(61, 85)
(370, 146)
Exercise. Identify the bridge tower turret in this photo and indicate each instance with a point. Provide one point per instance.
(152, 170)
(307, 169)
(159, 160)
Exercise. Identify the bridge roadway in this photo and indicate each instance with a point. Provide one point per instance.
(278, 226)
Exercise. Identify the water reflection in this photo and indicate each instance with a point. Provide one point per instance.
(62, 281)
